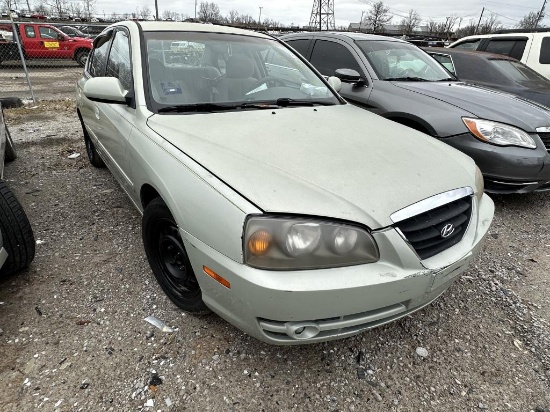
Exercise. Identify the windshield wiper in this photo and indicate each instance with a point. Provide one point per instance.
(448, 79)
(407, 79)
(287, 102)
(197, 107)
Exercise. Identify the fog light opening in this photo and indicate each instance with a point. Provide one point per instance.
(302, 330)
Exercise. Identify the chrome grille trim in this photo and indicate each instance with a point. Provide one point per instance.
(430, 203)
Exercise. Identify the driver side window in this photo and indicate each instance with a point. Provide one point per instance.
(328, 56)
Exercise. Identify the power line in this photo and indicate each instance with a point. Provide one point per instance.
(511, 5)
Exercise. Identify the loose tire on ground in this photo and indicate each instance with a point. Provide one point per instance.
(17, 235)
(168, 258)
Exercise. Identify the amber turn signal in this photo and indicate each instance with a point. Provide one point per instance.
(259, 242)
(216, 277)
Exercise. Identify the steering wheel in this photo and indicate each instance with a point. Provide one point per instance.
(269, 81)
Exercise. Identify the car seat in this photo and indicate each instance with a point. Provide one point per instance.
(238, 79)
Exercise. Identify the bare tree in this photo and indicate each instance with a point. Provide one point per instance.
(490, 25)
(271, 23)
(377, 16)
(247, 19)
(144, 12)
(60, 7)
(467, 30)
(232, 17)
(76, 10)
(531, 20)
(169, 15)
(41, 8)
(89, 8)
(410, 22)
(209, 12)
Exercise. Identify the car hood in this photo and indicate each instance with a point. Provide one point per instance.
(484, 103)
(336, 161)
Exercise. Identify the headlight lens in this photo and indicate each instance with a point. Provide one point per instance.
(498, 133)
(293, 243)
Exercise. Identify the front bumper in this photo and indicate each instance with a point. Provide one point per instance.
(297, 307)
(507, 169)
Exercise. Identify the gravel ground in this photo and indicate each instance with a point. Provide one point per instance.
(73, 337)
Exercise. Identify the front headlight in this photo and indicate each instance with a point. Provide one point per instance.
(498, 133)
(294, 243)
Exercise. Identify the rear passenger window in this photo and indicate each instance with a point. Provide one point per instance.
(468, 45)
(509, 47)
(328, 56)
(300, 46)
(544, 57)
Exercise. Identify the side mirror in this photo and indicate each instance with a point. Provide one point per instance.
(350, 76)
(105, 90)
(61, 37)
(335, 82)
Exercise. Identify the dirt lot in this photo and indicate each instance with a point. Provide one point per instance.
(72, 334)
(50, 79)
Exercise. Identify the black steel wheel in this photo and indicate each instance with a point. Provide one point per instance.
(81, 58)
(168, 259)
(93, 155)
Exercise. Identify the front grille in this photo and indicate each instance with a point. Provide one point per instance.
(545, 137)
(424, 231)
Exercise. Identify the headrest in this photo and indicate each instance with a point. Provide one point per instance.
(239, 67)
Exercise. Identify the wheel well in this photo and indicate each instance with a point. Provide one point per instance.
(413, 124)
(147, 194)
(80, 50)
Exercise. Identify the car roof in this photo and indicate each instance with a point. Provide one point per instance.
(463, 52)
(169, 26)
(350, 35)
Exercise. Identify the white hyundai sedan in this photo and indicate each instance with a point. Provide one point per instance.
(265, 197)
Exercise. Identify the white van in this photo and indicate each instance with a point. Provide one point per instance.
(532, 49)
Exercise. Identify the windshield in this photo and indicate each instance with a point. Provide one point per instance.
(393, 60)
(517, 71)
(209, 70)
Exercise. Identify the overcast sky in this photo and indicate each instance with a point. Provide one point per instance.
(345, 11)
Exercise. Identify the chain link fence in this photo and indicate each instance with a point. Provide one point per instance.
(42, 60)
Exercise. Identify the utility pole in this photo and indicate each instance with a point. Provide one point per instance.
(361, 21)
(479, 22)
(156, 10)
(540, 16)
(195, 9)
(260, 18)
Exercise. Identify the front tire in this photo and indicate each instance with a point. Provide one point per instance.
(168, 259)
(93, 155)
(81, 58)
(17, 235)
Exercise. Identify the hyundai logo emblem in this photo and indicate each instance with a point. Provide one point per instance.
(447, 230)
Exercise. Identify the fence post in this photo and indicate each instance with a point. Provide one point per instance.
(15, 29)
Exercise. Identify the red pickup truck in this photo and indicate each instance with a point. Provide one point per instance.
(43, 41)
